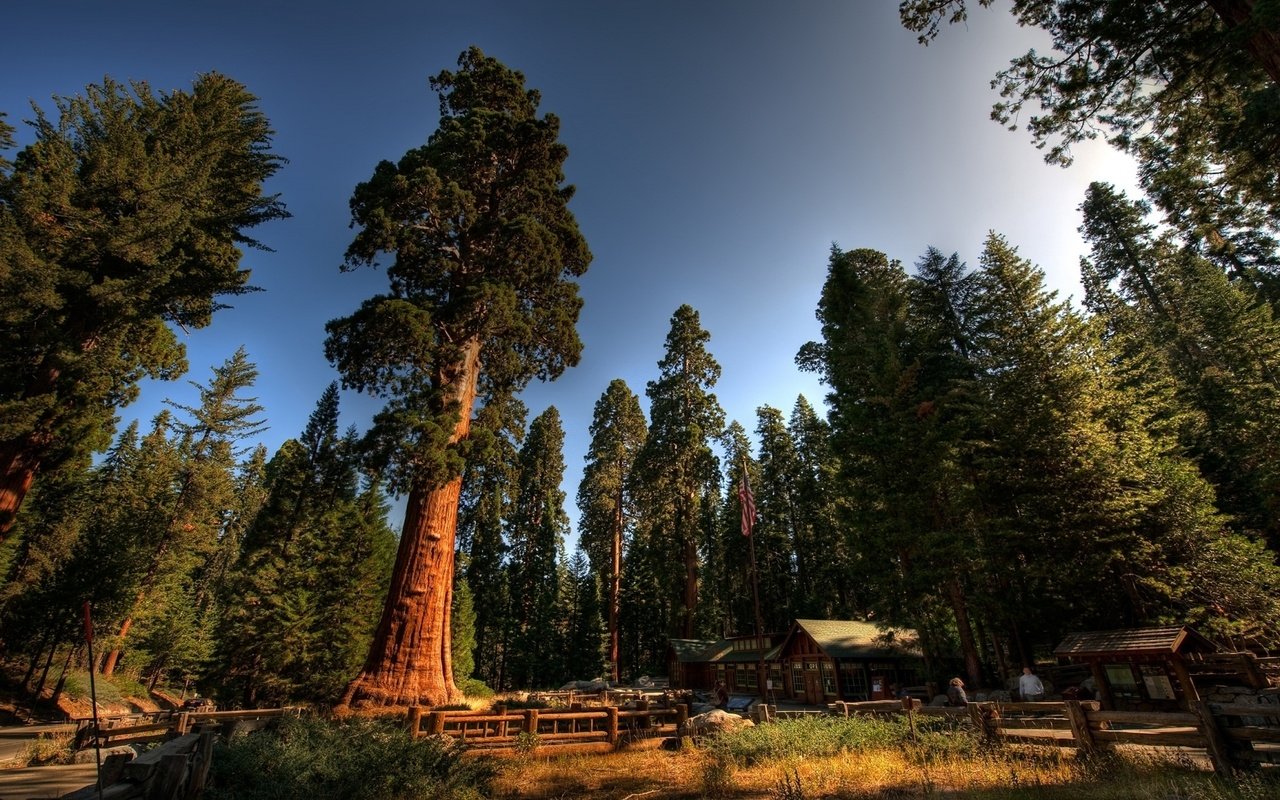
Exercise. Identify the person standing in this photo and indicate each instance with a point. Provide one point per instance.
(1030, 686)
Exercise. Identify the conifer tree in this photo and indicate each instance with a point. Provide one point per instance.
(677, 464)
(823, 552)
(99, 264)
(488, 494)
(536, 534)
(203, 490)
(606, 500)
(1217, 339)
(482, 300)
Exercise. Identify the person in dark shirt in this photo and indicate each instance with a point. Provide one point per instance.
(955, 693)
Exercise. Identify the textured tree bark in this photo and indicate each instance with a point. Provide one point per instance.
(18, 468)
(113, 657)
(410, 661)
(968, 645)
(615, 586)
(1262, 42)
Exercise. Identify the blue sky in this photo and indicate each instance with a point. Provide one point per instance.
(719, 148)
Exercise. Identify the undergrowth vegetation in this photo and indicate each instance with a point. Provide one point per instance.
(810, 737)
(309, 758)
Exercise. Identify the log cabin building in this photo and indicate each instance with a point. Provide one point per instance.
(814, 662)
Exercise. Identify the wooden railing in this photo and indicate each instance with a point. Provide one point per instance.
(1227, 733)
(176, 770)
(163, 725)
(551, 731)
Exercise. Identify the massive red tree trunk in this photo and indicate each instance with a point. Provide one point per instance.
(18, 464)
(411, 659)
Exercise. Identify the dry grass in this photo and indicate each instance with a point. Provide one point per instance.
(880, 774)
(45, 751)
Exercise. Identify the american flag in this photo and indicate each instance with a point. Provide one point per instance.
(748, 503)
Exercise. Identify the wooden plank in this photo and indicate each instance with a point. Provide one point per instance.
(1163, 738)
(1039, 724)
(140, 769)
(1253, 734)
(1214, 740)
(168, 778)
(203, 760)
(1078, 717)
(1048, 741)
(1245, 710)
(452, 718)
(1161, 718)
(117, 733)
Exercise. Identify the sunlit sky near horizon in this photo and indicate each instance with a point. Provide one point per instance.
(719, 148)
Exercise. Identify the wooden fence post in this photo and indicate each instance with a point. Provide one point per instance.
(437, 722)
(1080, 730)
(1219, 753)
(184, 724)
(413, 721)
(642, 705)
(200, 766)
(613, 724)
(682, 716)
(168, 779)
(531, 721)
(909, 705)
(979, 719)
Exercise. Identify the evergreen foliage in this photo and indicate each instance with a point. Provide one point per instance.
(125, 216)
(674, 471)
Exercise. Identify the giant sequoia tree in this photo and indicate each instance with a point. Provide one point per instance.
(484, 250)
(124, 216)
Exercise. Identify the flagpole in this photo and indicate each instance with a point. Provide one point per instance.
(93, 698)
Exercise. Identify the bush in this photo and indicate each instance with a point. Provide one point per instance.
(472, 687)
(811, 737)
(309, 758)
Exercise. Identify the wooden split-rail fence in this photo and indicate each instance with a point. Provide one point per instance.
(161, 726)
(552, 731)
(1232, 735)
(177, 769)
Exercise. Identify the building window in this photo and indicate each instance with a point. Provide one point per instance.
(828, 678)
(853, 681)
(797, 678)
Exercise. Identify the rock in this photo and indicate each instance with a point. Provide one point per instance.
(939, 700)
(1000, 696)
(714, 722)
(585, 686)
(87, 756)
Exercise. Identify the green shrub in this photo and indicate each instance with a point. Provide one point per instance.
(309, 758)
(809, 737)
(472, 687)
(513, 704)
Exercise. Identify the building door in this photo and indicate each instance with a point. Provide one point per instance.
(812, 688)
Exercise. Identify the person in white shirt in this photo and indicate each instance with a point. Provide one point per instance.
(1030, 687)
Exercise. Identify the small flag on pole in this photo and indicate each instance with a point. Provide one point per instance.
(748, 503)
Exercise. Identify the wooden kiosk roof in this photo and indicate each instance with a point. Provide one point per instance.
(1135, 641)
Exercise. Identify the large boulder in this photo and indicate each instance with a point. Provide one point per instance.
(714, 722)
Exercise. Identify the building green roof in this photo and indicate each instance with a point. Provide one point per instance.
(841, 638)
(688, 650)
